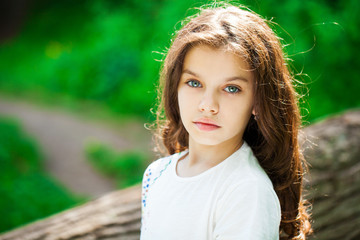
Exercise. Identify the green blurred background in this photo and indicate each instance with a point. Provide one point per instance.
(106, 53)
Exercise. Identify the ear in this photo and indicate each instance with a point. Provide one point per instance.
(253, 112)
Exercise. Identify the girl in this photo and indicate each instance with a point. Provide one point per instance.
(230, 127)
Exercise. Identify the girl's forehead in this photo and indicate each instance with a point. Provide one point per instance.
(207, 60)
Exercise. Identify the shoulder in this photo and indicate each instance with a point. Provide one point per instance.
(156, 168)
(152, 172)
(244, 169)
(252, 192)
(249, 209)
(247, 185)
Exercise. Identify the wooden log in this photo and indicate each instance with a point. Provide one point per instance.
(333, 151)
(116, 215)
(332, 147)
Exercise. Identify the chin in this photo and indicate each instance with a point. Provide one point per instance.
(207, 141)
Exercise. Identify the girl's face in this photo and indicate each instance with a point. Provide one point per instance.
(216, 96)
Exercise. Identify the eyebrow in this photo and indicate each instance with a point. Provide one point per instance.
(228, 79)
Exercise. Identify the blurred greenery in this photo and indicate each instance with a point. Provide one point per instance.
(27, 192)
(126, 168)
(105, 51)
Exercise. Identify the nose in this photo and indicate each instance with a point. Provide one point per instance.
(209, 104)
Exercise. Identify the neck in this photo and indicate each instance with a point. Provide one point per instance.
(209, 155)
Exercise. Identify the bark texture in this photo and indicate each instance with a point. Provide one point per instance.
(333, 151)
(332, 148)
(116, 215)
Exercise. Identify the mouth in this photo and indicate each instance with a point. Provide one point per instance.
(206, 125)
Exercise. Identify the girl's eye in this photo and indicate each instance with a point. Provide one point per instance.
(194, 83)
(232, 89)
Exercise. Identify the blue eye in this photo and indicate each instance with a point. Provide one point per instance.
(194, 83)
(232, 89)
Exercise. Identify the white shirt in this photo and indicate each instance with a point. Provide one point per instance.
(233, 200)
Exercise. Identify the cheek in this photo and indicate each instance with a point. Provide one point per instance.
(183, 102)
(186, 100)
(238, 112)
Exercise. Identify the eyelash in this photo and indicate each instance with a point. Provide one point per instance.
(190, 83)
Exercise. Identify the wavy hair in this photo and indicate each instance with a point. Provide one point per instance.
(273, 136)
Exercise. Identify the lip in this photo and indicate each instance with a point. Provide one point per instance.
(206, 124)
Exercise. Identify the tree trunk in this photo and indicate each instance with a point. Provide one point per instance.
(332, 148)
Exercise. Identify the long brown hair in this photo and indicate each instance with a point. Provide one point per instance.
(273, 136)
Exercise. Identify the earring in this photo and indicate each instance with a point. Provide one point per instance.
(255, 117)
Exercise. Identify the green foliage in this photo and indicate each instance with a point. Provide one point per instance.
(322, 37)
(126, 168)
(104, 51)
(27, 193)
